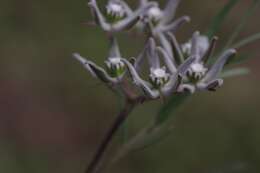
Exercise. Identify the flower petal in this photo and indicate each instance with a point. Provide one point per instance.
(153, 94)
(114, 49)
(182, 69)
(210, 86)
(140, 58)
(167, 60)
(165, 44)
(172, 85)
(176, 78)
(210, 50)
(219, 64)
(186, 88)
(176, 48)
(130, 21)
(98, 16)
(84, 62)
(170, 11)
(142, 2)
(195, 45)
(95, 70)
(152, 54)
(126, 7)
(175, 25)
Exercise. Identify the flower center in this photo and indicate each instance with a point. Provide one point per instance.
(196, 72)
(115, 66)
(115, 10)
(159, 77)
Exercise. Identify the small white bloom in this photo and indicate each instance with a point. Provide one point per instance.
(198, 68)
(115, 63)
(155, 14)
(115, 9)
(196, 71)
(159, 77)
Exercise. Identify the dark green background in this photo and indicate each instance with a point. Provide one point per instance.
(53, 114)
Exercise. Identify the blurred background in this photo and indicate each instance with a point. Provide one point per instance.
(53, 114)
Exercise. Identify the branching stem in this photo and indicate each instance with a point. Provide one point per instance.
(121, 117)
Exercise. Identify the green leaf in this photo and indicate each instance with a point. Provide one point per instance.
(239, 59)
(247, 41)
(170, 107)
(234, 72)
(243, 22)
(147, 137)
(220, 17)
(152, 138)
(155, 131)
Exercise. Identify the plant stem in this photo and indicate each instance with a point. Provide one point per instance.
(121, 117)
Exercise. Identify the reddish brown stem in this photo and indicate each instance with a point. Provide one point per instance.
(121, 117)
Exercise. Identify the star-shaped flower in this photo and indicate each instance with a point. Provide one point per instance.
(202, 76)
(115, 67)
(118, 16)
(164, 80)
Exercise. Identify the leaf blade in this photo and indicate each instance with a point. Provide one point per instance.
(220, 17)
(234, 72)
(170, 107)
(247, 41)
(250, 11)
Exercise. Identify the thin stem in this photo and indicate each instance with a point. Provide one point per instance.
(121, 117)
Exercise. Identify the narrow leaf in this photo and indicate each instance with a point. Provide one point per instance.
(239, 59)
(220, 17)
(170, 107)
(234, 72)
(152, 138)
(247, 41)
(243, 22)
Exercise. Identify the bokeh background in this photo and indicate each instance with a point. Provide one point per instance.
(53, 114)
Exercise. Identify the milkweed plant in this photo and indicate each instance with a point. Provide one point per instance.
(176, 71)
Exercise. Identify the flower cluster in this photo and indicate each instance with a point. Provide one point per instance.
(173, 67)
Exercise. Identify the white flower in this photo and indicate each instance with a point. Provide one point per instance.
(115, 9)
(114, 63)
(196, 71)
(159, 77)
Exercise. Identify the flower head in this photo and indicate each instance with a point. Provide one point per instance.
(163, 80)
(115, 10)
(162, 20)
(115, 66)
(201, 75)
(196, 72)
(159, 77)
(120, 16)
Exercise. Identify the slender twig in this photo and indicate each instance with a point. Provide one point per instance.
(121, 117)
